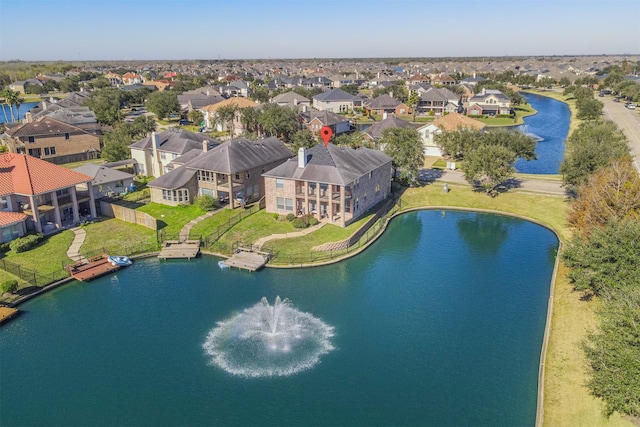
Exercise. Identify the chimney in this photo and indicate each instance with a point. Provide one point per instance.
(28, 118)
(155, 144)
(44, 105)
(208, 93)
(302, 157)
(384, 115)
(205, 146)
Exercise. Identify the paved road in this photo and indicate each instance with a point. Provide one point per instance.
(628, 121)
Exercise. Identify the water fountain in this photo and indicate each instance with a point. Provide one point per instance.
(268, 340)
(525, 130)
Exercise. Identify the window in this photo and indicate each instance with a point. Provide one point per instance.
(67, 136)
(4, 203)
(205, 176)
(289, 204)
(62, 192)
(165, 195)
(377, 189)
(280, 203)
(370, 174)
(163, 155)
(35, 152)
(32, 139)
(237, 175)
(279, 183)
(248, 175)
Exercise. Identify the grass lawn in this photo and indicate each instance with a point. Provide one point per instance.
(117, 237)
(84, 162)
(210, 225)
(171, 219)
(46, 258)
(254, 227)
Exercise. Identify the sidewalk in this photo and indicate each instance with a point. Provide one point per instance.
(74, 250)
(260, 242)
(186, 230)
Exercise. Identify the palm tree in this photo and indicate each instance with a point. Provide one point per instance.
(12, 98)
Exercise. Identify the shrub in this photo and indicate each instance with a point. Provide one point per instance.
(290, 217)
(9, 286)
(313, 220)
(4, 247)
(276, 216)
(23, 244)
(206, 202)
(299, 223)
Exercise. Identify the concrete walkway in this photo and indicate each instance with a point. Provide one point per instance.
(260, 242)
(74, 250)
(186, 230)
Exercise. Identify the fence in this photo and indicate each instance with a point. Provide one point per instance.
(361, 238)
(129, 215)
(33, 277)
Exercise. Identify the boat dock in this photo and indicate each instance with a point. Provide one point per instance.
(246, 259)
(7, 313)
(180, 249)
(94, 268)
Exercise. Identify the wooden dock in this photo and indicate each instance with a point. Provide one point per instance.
(180, 249)
(7, 313)
(247, 259)
(93, 268)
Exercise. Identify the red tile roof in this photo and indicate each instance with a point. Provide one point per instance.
(26, 175)
(9, 218)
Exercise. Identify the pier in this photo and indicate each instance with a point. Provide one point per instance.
(246, 259)
(93, 268)
(7, 313)
(180, 249)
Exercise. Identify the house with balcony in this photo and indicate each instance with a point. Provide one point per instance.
(38, 196)
(436, 101)
(316, 120)
(336, 183)
(154, 153)
(231, 172)
(490, 102)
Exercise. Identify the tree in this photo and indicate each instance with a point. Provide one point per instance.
(353, 140)
(458, 142)
(589, 109)
(69, 84)
(303, 138)
(12, 98)
(100, 83)
(404, 146)
(351, 88)
(162, 104)
(489, 166)
(259, 93)
(522, 145)
(564, 81)
(115, 143)
(196, 117)
(225, 116)
(279, 121)
(105, 103)
(250, 119)
(590, 147)
(412, 102)
(612, 194)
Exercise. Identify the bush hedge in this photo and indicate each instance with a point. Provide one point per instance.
(23, 244)
(9, 286)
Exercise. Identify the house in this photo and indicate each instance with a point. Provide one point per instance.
(155, 152)
(196, 101)
(316, 120)
(235, 88)
(106, 182)
(132, 78)
(39, 196)
(375, 131)
(442, 79)
(447, 123)
(21, 86)
(385, 104)
(210, 115)
(54, 140)
(114, 78)
(336, 100)
(490, 102)
(435, 101)
(231, 171)
(292, 100)
(335, 182)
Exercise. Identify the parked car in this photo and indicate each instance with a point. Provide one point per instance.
(183, 122)
(631, 106)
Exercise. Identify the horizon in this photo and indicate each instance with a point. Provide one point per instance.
(67, 30)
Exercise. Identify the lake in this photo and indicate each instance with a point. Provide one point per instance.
(5, 111)
(439, 322)
(550, 127)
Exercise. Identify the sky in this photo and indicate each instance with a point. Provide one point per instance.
(82, 30)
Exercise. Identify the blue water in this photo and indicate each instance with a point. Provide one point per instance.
(5, 110)
(439, 323)
(551, 125)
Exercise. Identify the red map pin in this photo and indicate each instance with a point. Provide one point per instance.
(325, 134)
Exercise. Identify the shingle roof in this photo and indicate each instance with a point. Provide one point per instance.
(288, 97)
(375, 130)
(332, 164)
(177, 141)
(335, 95)
(174, 179)
(102, 174)
(240, 155)
(327, 118)
(382, 102)
(44, 126)
(26, 175)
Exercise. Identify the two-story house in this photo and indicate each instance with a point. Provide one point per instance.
(336, 101)
(229, 172)
(316, 120)
(385, 103)
(448, 123)
(39, 196)
(334, 182)
(54, 140)
(155, 152)
(490, 102)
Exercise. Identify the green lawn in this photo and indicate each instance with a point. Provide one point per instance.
(48, 257)
(117, 237)
(171, 219)
(254, 227)
(209, 225)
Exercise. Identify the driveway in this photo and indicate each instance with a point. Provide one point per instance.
(627, 120)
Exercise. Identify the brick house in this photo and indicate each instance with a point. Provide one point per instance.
(316, 120)
(334, 182)
(490, 102)
(385, 103)
(231, 171)
(54, 140)
(39, 196)
(336, 100)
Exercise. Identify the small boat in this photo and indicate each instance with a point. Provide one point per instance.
(221, 264)
(122, 261)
